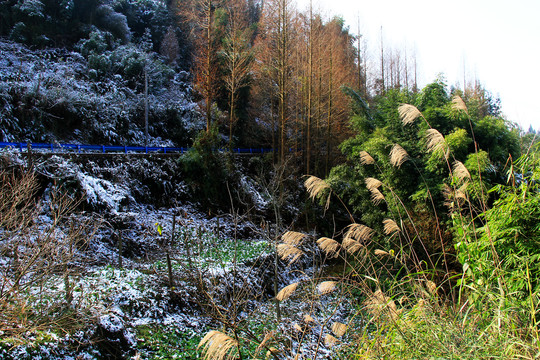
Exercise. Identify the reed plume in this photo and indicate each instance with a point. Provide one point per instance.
(460, 171)
(218, 346)
(290, 252)
(398, 155)
(339, 329)
(315, 186)
(326, 287)
(351, 245)
(372, 183)
(365, 158)
(408, 113)
(459, 104)
(286, 292)
(390, 227)
(435, 142)
(380, 252)
(359, 232)
(329, 246)
(293, 238)
(330, 341)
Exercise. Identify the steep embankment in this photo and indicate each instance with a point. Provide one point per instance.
(100, 266)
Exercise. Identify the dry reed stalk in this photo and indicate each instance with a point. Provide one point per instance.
(460, 171)
(380, 252)
(459, 104)
(329, 246)
(267, 337)
(351, 245)
(435, 142)
(431, 287)
(358, 232)
(293, 237)
(461, 192)
(408, 113)
(286, 292)
(390, 227)
(398, 155)
(287, 251)
(326, 287)
(376, 196)
(372, 183)
(339, 329)
(330, 341)
(218, 346)
(315, 186)
(365, 158)
(379, 304)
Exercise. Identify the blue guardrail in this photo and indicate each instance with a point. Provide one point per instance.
(78, 148)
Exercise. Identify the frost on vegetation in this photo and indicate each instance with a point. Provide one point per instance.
(102, 192)
(258, 199)
(57, 87)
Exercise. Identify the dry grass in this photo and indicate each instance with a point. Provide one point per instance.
(329, 246)
(326, 287)
(459, 104)
(218, 346)
(366, 159)
(408, 113)
(339, 329)
(330, 341)
(289, 252)
(372, 183)
(378, 305)
(398, 155)
(359, 232)
(435, 142)
(38, 252)
(460, 171)
(293, 238)
(315, 186)
(379, 252)
(352, 246)
(390, 227)
(308, 319)
(286, 292)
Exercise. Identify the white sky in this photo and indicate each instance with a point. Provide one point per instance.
(494, 41)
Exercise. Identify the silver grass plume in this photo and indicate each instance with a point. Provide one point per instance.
(218, 346)
(372, 183)
(326, 287)
(286, 292)
(339, 329)
(390, 227)
(408, 113)
(365, 158)
(315, 187)
(358, 232)
(293, 237)
(459, 104)
(460, 171)
(290, 252)
(329, 246)
(398, 155)
(435, 142)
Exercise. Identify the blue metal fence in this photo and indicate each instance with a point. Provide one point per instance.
(78, 148)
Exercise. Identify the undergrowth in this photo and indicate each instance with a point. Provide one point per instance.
(403, 300)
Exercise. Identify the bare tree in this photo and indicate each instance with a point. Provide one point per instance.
(200, 16)
(237, 55)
